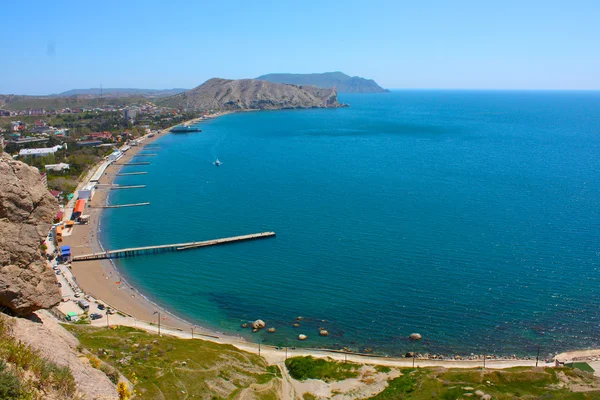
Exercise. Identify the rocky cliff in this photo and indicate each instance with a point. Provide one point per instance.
(26, 212)
(341, 82)
(247, 94)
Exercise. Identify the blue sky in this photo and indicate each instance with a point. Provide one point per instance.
(52, 46)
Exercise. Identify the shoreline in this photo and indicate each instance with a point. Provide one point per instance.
(103, 280)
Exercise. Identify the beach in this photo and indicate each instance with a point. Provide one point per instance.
(100, 278)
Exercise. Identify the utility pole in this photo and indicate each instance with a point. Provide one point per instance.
(259, 340)
(537, 357)
(193, 327)
(484, 360)
(286, 347)
(158, 312)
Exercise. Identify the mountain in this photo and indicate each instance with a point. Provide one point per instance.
(338, 80)
(116, 92)
(247, 94)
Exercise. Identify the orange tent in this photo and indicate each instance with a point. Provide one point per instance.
(79, 206)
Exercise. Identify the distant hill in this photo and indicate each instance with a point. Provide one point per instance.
(338, 80)
(120, 92)
(20, 102)
(245, 94)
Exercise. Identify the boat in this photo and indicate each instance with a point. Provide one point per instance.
(217, 163)
(184, 129)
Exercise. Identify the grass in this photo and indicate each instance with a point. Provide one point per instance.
(522, 383)
(171, 368)
(302, 368)
(24, 372)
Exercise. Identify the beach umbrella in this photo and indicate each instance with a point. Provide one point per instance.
(415, 337)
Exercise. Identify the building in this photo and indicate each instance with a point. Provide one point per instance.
(57, 167)
(115, 155)
(45, 151)
(87, 192)
(36, 111)
(89, 143)
(130, 113)
(100, 136)
(28, 140)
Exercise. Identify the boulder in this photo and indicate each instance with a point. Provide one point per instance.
(323, 332)
(244, 325)
(479, 393)
(27, 210)
(258, 324)
(486, 397)
(271, 330)
(415, 336)
(302, 337)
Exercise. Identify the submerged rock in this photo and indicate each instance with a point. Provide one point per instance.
(271, 330)
(323, 332)
(302, 337)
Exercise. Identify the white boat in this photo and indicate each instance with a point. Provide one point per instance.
(217, 163)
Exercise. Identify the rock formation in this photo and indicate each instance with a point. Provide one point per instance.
(27, 209)
(251, 94)
(258, 324)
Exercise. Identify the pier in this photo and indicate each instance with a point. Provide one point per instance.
(127, 187)
(135, 163)
(131, 173)
(123, 205)
(136, 251)
(145, 155)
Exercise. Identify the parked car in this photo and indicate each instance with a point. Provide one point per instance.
(59, 284)
(95, 316)
(110, 311)
(101, 306)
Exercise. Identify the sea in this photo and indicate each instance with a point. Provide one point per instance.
(470, 217)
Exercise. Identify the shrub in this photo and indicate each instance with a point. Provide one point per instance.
(302, 368)
(10, 387)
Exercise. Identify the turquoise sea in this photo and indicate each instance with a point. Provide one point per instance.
(471, 217)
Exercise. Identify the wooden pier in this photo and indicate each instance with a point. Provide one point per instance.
(131, 173)
(136, 163)
(136, 251)
(123, 205)
(127, 187)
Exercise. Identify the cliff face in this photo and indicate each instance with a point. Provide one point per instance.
(26, 213)
(341, 82)
(245, 94)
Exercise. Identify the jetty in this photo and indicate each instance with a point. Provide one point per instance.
(123, 205)
(136, 251)
(135, 163)
(131, 173)
(127, 187)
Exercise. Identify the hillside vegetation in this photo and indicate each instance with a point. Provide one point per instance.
(171, 368)
(26, 374)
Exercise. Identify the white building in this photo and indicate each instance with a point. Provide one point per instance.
(115, 155)
(87, 192)
(130, 113)
(57, 167)
(39, 152)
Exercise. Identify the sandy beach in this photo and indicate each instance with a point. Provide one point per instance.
(100, 278)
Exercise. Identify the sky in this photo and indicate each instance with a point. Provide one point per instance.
(54, 46)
